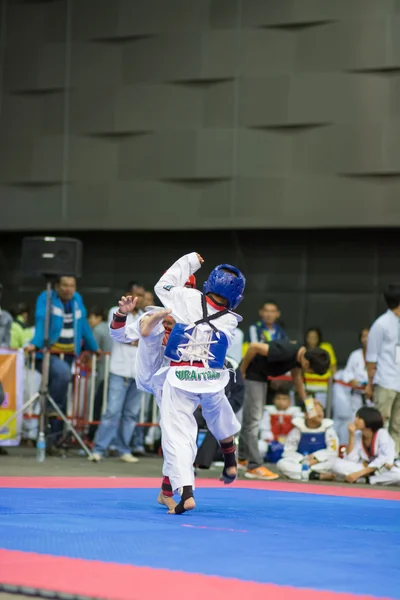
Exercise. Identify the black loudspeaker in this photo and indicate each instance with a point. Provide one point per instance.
(51, 256)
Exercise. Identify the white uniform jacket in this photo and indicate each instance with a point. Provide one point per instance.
(330, 451)
(187, 309)
(382, 450)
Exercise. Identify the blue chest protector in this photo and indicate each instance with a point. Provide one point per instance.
(179, 338)
(311, 442)
(274, 452)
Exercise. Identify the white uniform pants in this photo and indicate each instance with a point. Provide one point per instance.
(290, 466)
(343, 467)
(179, 429)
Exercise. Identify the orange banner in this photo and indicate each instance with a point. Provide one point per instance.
(11, 394)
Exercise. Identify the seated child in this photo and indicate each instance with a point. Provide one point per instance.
(370, 455)
(276, 425)
(313, 436)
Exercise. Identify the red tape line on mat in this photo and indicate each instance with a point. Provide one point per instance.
(126, 582)
(154, 483)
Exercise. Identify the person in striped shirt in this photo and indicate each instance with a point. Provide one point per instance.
(69, 334)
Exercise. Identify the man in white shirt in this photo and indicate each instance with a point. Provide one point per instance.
(124, 399)
(383, 363)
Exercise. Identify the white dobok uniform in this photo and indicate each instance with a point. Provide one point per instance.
(347, 401)
(150, 360)
(382, 453)
(185, 387)
(303, 439)
(266, 434)
(150, 355)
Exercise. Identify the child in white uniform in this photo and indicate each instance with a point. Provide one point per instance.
(314, 440)
(276, 425)
(370, 453)
(197, 349)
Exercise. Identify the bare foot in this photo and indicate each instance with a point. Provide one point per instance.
(232, 472)
(189, 504)
(167, 501)
(148, 322)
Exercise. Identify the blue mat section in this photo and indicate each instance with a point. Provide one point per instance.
(302, 540)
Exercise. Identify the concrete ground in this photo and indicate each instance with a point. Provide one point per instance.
(22, 462)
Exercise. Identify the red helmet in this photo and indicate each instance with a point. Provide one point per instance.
(191, 282)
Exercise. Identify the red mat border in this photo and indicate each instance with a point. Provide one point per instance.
(153, 482)
(127, 582)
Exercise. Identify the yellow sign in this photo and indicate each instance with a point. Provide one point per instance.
(11, 393)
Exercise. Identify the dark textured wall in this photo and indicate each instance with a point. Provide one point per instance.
(135, 114)
(329, 279)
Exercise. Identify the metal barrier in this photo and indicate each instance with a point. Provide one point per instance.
(82, 391)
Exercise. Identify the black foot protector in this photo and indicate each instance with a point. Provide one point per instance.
(314, 476)
(186, 494)
(228, 450)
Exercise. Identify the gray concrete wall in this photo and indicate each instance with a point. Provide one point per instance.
(135, 114)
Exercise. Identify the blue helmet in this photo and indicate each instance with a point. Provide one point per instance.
(225, 284)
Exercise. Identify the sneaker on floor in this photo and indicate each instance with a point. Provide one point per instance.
(242, 465)
(128, 458)
(95, 457)
(261, 473)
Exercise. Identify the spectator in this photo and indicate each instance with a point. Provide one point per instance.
(276, 424)
(355, 371)
(267, 329)
(102, 336)
(318, 384)
(260, 362)
(370, 454)
(313, 440)
(136, 290)
(123, 405)
(383, 363)
(148, 299)
(97, 321)
(21, 333)
(139, 434)
(5, 325)
(69, 333)
(347, 401)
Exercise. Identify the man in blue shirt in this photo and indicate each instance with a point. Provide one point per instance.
(267, 328)
(69, 334)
